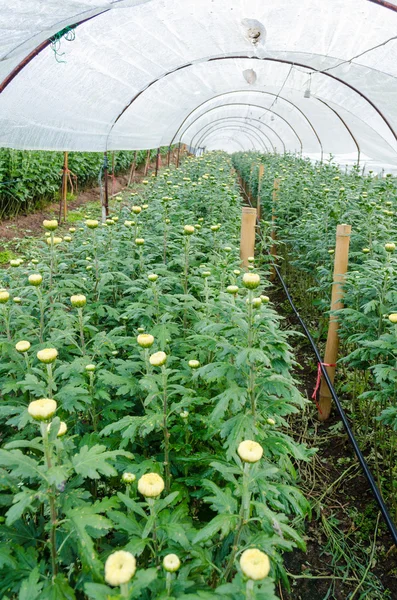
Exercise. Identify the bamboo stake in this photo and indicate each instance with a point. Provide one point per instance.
(147, 163)
(133, 166)
(112, 194)
(247, 239)
(258, 200)
(157, 161)
(331, 350)
(273, 234)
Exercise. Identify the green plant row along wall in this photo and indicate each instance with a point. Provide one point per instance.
(28, 178)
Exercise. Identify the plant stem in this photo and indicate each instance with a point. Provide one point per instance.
(251, 374)
(41, 306)
(50, 380)
(81, 326)
(168, 583)
(7, 313)
(166, 432)
(249, 590)
(244, 517)
(51, 498)
(152, 507)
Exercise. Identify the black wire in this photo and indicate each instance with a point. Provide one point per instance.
(374, 488)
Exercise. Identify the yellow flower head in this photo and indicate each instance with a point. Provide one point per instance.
(139, 241)
(171, 563)
(4, 297)
(22, 346)
(62, 428)
(158, 359)
(43, 409)
(54, 241)
(35, 279)
(128, 477)
(194, 364)
(152, 277)
(251, 280)
(78, 300)
(255, 564)
(390, 247)
(232, 289)
(393, 318)
(250, 451)
(188, 230)
(145, 340)
(120, 567)
(50, 225)
(92, 223)
(151, 485)
(136, 209)
(48, 355)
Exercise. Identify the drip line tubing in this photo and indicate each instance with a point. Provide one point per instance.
(363, 463)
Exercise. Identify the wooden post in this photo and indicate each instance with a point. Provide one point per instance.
(157, 161)
(113, 178)
(331, 350)
(147, 163)
(258, 200)
(177, 155)
(169, 156)
(273, 235)
(247, 239)
(105, 171)
(65, 175)
(133, 166)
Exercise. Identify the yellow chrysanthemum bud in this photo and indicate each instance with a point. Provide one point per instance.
(171, 563)
(128, 477)
(188, 230)
(271, 421)
(215, 227)
(145, 340)
(43, 409)
(17, 300)
(390, 247)
(120, 567)
(72, 229)
(158, 359)
(251, 259)
(194, 364)
(22, 346)
(136, 210)
(78, 300)
(237, 271)
(36, 279)
(265, 299)
(251, 280)
(151, 485)
(54, 241)
(255, 564)
(393, 318)
(48, 355)
(92, 223)
(62, 428)
(67, 238)
(139, 241)
(4, 297)
(50, 225)
(250, 451)
(90, 368)
(152, 277)
(128, 223)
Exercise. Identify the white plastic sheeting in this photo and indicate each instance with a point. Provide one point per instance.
(145, 73)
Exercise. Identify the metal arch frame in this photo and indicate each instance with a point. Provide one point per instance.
(254, 106)
(266, 59)
(233, 119)
(253, 133)
(236, 126)
(345, 124)
(385, 4)
(264, 108)
(230, 138)
(251, 119)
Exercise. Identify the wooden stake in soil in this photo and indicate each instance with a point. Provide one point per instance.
(331, 350)
(157, 161)
(169, 156)
(147, 163)
(273, 249)
(258, 200)
(133, 166)
(247, 239)
(177, 155)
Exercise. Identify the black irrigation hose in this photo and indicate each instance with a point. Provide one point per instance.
(363, 463)
(374, 488)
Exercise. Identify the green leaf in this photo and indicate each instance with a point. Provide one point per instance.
(21, 465)
(58, 589)
(31, 587)
(92, 462)
(223, 523)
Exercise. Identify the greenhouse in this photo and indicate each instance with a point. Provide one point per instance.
(198, 300)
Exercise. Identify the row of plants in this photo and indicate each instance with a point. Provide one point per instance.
(146, 389)
(312, 200)
(30, 178)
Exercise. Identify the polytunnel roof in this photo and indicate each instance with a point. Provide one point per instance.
(316, 77)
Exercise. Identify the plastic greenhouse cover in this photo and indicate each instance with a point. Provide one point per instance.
(312, 77)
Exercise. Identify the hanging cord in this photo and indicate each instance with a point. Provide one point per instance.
(363, 463)
(68, 34)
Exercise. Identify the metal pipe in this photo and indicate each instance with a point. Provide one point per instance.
(231, 126)
(253, 135)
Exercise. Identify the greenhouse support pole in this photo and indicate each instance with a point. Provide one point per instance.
(258, 200)
(247, 239)
(65, 174)
(331, 350)
(132, 170)
(157, 161)
(169, 156)
(178, 155)
(106, 178)
(113, 177)
(273, 235)
(145, 172)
